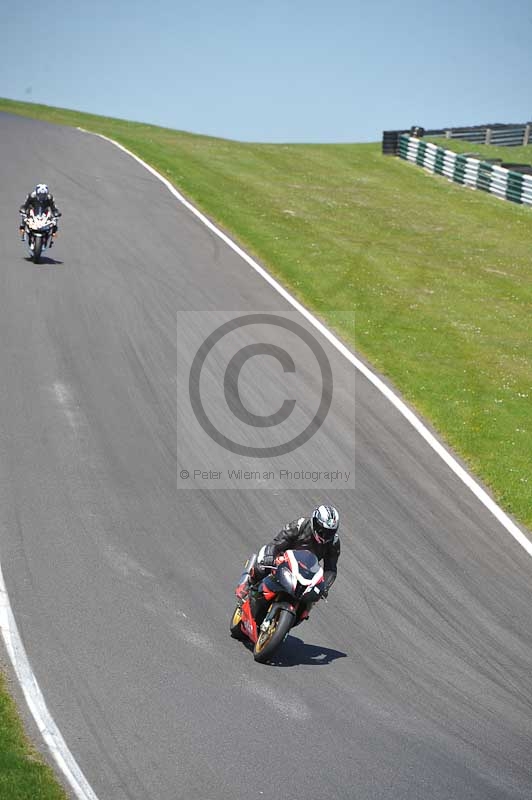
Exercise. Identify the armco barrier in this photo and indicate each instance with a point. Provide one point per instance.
(469, 171)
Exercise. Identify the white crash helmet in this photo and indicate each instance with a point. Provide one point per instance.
(325, 521)
(41, 191)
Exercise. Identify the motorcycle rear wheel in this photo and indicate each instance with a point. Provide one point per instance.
(235, 628)
(270, 640)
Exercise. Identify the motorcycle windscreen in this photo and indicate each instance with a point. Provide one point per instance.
(307, 563)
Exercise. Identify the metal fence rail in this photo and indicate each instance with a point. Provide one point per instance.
(504, 183)
(510, 135)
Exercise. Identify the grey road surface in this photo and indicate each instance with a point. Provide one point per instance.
(412, 681)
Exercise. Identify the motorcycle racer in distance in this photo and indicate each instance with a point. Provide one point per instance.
(39, 198)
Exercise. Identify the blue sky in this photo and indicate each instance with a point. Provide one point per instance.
(279, 71)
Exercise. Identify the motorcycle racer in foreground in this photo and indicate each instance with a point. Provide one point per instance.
(318, 533)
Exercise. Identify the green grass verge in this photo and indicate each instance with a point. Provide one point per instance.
(430, 281)
(23, 774)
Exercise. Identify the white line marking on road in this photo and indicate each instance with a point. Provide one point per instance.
(379, 384)
(289, 706)
(35, 700)
(66, 402)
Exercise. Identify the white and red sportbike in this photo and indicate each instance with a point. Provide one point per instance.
(295, 583)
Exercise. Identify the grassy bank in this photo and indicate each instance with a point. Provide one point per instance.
(437, 277)
(23, 775)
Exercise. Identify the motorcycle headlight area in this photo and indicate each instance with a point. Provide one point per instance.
(290, 584)
(287, 579)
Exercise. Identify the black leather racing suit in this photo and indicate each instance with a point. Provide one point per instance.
(32, 201)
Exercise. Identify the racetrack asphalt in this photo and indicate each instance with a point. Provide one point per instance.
(412, 681)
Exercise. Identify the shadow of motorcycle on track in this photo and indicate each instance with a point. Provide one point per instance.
(44, 261)
(295, 652)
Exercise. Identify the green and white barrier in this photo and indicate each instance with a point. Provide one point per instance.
(469, 171)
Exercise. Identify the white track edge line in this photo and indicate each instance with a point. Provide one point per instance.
(35, 700)
(379, 384)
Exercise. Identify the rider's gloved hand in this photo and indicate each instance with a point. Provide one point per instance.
(267, 558)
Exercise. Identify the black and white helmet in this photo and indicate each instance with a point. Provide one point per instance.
(325, 522)
(41, 192)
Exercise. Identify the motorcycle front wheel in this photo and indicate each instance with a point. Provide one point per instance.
(235, 628)
(37, 247)
(269, 640)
